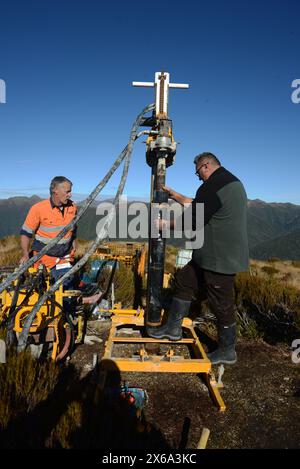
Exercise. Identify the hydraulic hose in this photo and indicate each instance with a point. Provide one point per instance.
(123, 155)
(22, 341)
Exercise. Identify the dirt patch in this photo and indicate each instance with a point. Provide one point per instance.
(261, 393)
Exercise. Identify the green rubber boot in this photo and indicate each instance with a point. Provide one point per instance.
(225, 352)
(172, 329)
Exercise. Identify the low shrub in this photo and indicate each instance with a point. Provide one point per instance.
(24, 383)
(273, 305)
(269, 270)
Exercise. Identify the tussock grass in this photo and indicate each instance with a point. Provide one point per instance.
(24, 383)
(10, 251)
(124, 286)
(269, 270)
(267, 306)
(67, 425)
(287, 272)
(268, 292)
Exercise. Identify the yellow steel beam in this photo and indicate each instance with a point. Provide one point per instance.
(128, 320)
(162, 364)
(125, 312)
(146, 340)
(215, 393)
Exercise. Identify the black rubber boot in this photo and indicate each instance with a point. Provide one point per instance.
(172, 329)
(225, 352)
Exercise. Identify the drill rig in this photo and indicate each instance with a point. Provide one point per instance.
(130, 327)
(58, 324)
(32, 304)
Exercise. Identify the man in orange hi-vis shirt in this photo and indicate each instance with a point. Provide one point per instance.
(44, 221)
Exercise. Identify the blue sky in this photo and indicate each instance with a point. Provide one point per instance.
(68, 68)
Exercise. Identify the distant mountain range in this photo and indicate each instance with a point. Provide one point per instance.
(273, 228)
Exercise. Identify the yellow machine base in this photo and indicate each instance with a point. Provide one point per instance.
(168, 363)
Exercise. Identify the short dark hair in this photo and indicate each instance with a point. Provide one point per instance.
(58, 180)
(210, 156)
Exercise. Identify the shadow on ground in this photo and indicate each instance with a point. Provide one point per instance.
(84, 413)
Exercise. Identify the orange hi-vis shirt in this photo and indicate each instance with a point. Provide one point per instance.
(45, 221)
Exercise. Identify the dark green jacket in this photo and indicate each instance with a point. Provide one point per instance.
(225, 249)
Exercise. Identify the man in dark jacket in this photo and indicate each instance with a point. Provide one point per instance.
(214, 265)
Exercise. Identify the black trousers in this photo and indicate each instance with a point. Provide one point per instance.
(192, 282)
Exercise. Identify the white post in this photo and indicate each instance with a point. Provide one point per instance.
(161, 84)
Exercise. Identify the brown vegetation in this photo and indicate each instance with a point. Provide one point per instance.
(10, 251)
(24, 383)
(286, 271)
(268, 307)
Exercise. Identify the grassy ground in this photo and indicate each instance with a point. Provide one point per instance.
(287, 272)
(69, 409)
(50, 406)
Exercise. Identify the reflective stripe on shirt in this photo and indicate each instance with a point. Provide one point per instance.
(45, 240)
(26, 228)
(51, 228)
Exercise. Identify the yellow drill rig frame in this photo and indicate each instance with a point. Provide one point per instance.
(50, 325)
